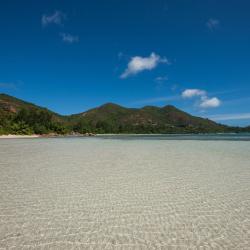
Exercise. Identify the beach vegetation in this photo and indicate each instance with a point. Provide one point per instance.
(20, 117)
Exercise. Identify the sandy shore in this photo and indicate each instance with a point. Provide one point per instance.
(18, 136)
(76, 193)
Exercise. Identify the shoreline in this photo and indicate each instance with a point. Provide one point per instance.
(19, 136)
(13, 136)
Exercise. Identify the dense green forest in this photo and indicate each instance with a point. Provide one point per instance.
(20, 117)
(31, 121)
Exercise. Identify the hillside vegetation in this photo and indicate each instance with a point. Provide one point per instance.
(20, 117)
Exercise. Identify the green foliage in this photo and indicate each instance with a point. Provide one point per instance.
(2, 131)
(21, 128)
(59, 128)
(31, 121)
(19, 117)
(40, 121)
(112, 118)
(82, 127)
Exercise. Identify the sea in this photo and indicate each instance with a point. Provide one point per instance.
(125, 192)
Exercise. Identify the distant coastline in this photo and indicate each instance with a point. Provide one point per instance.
(181, 136)
(18, 117)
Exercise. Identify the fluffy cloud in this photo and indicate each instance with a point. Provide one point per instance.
(138, 64)
(210, 102)
(56, 18)
(68, 38)
(205, 101)
(189, 93)
(212, 24)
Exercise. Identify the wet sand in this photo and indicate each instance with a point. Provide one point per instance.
(91, 193)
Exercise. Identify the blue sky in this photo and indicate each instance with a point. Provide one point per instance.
(73, 55)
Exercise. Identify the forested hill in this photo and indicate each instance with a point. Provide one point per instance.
(20, 117)
(112, 118)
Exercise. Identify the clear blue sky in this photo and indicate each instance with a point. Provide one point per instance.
(73, 55)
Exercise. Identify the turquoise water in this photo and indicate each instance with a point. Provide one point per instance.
(202, 137)
(144, 193)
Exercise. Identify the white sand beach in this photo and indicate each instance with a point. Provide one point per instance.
(91, 193)
(18, 136)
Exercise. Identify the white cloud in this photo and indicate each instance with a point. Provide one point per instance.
(213, 24)
(138, 64)
(205, 101)
(56, 18)
(226, 117)
(68, 38)
(189, 93)
(213, 102)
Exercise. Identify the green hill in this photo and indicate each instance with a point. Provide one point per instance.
(20, 117)
(112, 118)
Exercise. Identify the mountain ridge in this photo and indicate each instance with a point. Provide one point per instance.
(21, 117)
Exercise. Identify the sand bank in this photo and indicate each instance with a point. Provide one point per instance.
(18, 136)
(76, 193)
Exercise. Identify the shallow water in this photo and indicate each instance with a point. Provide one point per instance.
(201, 137)
(91, 193)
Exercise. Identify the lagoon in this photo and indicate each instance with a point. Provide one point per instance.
(125, 193)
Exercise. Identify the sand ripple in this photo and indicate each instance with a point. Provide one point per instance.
(117, 194)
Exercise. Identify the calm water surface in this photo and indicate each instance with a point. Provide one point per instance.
(125, 193)
(202, 137)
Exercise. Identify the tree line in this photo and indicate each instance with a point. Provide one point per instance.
(41, 121)
(31, 121)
